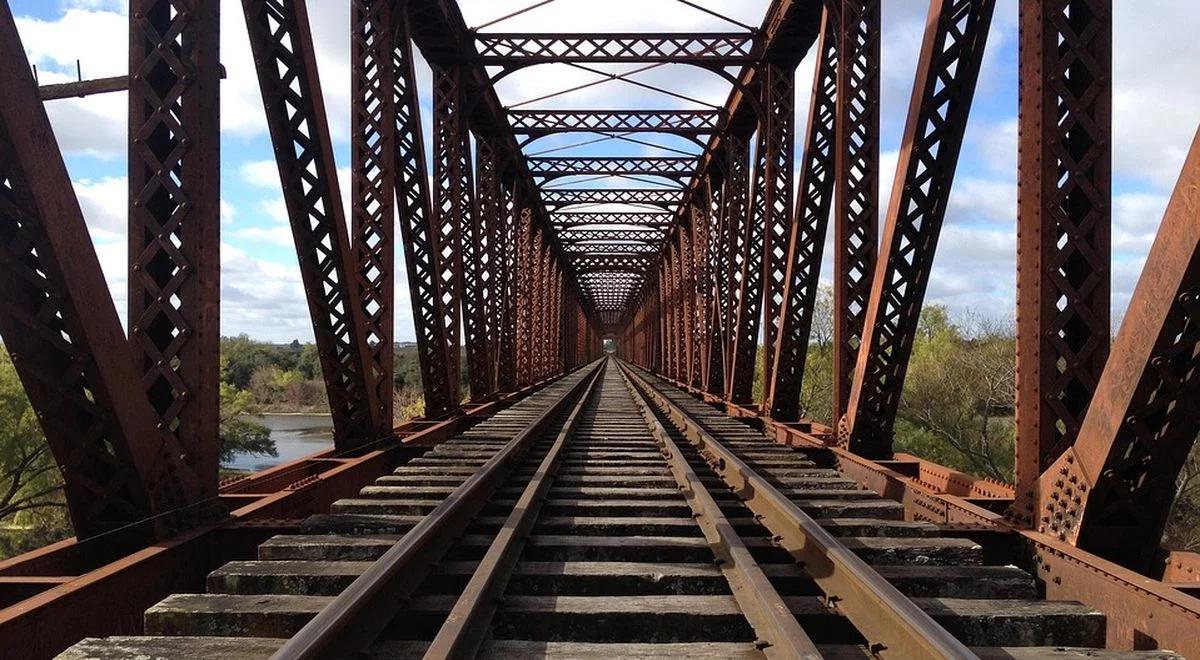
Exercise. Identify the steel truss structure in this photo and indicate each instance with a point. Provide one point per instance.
(520, 270)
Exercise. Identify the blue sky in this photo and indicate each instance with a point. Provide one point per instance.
(1156, 110)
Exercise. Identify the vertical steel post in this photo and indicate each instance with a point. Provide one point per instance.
(856, 196)
(452, 203)
(175, 221)
(373, 187)
(737, 186)
(1064, 228)
(477, 249)
(773, 204)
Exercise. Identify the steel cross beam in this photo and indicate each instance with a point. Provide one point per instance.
(558, 199)
(373, 157)
(945, 86)
(645, 219)
(174, 221)
(715, 49)
(1111, 492)
(122, 469)
(645, 236)
(630, 249)
(676, 122)
(1064, 228)
(665, 166)
(281, 40)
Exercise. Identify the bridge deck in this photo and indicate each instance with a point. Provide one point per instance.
(623, 558)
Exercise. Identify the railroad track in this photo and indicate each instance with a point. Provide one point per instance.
(612, 515)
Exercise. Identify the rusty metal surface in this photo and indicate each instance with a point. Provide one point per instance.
(951, 55)
(124, 471)
(284, 58)
(174, 221)
(373, 153)
(1111, 492)
(1064, 229)
(806, 240)
(856, 191)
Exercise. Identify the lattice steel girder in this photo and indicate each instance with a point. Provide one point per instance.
(523, 275)
(773, 203)
(806, 242)
(1111, 492)
(59, 324)
(715, 257)
(478, 268)
(507, 275)
(676, 122)
(418, 231)
(453, 205)
(175, 219)
(759, 234)
(737, 185)
(491, 215)
(557, 199)
(281, 41)
(945, 86)
(665, 166)
(373, 31)
(651, 236)
(1064, 228)
(648, 219)
(856, 205)
(588, 249)
(716, 48)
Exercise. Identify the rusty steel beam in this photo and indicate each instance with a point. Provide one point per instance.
(1111, 492)
(1064, 229)
(418, 231)
(506, 280)
(569, 220)
(653, 235)
(673, 167)
(373, 187)
(737, 186)
(558, 199)
(714, 372)
(955, 35)
(806, 242)
(676, 122)
(710, 49)
(485, 239)
(773, 204)
(856, 188)
(174, 237)
(125, 476)
(281, 41)
(453, 205)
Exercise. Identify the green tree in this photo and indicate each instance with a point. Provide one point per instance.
(238, 433)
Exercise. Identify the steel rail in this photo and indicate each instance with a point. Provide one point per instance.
(893, 625)
(466, 625)
(358, 615)
(779, 634)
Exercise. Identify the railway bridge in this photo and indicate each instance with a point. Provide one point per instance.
(613, 459)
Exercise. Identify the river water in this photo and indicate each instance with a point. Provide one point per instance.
(295, 436)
